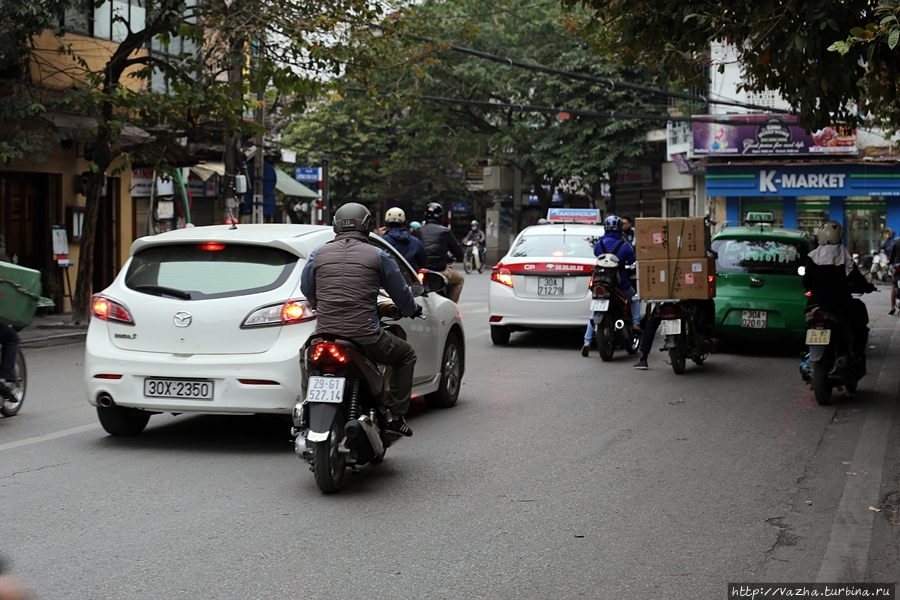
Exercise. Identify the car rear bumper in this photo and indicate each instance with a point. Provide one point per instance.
(728, 324)
(237, 379)
(513, 311)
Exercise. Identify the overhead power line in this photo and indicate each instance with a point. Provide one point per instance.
(610, 83)
(565, 113)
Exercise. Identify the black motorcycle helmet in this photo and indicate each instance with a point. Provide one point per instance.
(434, 212)
(352, 217)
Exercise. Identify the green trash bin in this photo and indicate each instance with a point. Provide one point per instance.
(20, 290)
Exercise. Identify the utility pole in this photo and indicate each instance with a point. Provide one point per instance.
(326, 194)
(233, 163)
(259, 159)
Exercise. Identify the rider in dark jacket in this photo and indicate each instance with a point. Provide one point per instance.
(341, 281)
(397, 236)
(831, 277)
(438, 240)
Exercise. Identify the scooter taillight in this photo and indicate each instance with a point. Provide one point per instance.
(670, 312)
(599, 292)
(328, 352)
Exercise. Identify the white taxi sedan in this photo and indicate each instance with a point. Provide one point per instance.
(543, 281)
(212, 320)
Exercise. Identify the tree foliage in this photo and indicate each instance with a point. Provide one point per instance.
(397, 121)
(288, 45)
(781, 46)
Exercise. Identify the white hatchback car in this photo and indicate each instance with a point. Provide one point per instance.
(543, 281)
(212, 320)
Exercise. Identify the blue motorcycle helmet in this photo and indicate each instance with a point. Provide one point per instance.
(613, 223)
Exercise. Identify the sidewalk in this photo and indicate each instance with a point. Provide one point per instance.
(52, 327)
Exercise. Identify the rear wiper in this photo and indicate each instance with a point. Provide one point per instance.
(158, 290)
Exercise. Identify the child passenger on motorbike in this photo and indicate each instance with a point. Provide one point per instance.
(831, 277)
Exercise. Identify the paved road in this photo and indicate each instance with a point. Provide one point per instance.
(555, 476)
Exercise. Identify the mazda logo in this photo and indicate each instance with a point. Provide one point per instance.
(183, 319)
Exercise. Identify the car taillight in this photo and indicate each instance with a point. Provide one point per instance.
(502, 275)
(287, 313)
(109, 310)
(329, 352)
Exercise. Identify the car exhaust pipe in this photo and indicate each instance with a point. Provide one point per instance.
(620, 324)
(105, 400)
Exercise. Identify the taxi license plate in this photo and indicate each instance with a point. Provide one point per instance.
(670, 326)
(325, 389)
(599, 305)
(183, 389)
(550, 286)
(818, 337)
(753, 319)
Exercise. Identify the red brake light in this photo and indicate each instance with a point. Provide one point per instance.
(329, 351)
(211, 246)
(502, 275)
(808, 294)
(108, 310)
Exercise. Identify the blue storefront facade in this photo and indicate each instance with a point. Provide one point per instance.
(863, 197)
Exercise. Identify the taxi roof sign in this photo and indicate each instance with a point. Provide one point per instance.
(588, 216)
(759, 217)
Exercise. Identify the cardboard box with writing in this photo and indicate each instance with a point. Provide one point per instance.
(651, 239)
(674, 238)
(693, 278)
(685, 279)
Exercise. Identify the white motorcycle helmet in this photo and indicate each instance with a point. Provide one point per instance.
(608, 261)
(395, 215)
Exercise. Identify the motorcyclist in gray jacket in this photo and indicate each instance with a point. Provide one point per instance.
(341, 281)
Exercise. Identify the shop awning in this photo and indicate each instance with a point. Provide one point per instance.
(287, 186)
(206, 170)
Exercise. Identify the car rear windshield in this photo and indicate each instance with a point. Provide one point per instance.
(570, 245)
(759, 256)
(208, 270)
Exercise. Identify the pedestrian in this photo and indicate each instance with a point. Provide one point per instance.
(628, 229)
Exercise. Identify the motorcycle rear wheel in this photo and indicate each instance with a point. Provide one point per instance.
(634, 343)
(606, 339)
(678, 357)
(329, 465)
(822, 388)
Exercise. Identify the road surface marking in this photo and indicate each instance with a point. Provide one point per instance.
(49, 436)
(847, 554)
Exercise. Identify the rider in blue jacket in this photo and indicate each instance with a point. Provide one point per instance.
(408, 245)
(613, 242)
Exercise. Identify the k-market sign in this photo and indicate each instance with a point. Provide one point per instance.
(803, 180)
(770, 181)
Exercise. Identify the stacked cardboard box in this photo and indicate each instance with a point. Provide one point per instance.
(674, 259)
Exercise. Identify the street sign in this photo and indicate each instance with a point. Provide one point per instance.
(306, 174)
(459, 207)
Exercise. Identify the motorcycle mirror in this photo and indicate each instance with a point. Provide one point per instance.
(417, 289)
(434, 281)
(801, 270)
